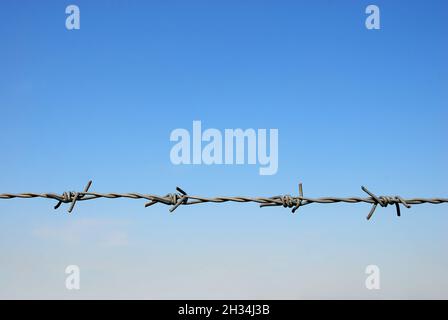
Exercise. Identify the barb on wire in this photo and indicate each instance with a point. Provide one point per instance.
(181, 198)
(73, 197)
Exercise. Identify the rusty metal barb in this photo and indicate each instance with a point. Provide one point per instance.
(181, 198)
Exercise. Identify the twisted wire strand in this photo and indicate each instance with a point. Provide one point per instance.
(180, 198)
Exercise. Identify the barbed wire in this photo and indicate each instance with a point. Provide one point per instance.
(181, 198)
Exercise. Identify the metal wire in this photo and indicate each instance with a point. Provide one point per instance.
(181, 198)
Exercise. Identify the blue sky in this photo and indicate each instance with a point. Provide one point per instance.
(353, 107)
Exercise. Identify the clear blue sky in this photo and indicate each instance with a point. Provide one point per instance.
(353, 107)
